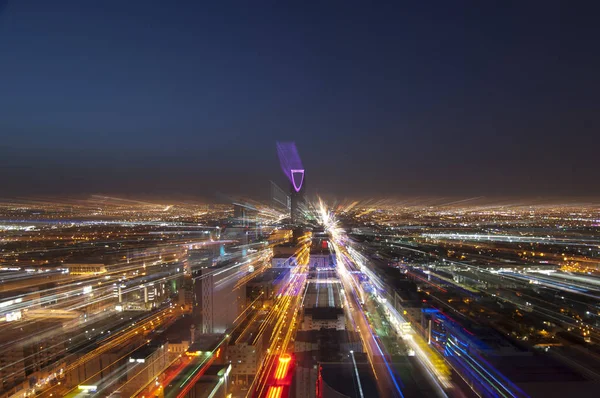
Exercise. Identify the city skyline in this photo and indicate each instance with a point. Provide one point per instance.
(242, 199)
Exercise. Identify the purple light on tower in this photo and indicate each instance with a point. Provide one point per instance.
(290, 162)
(301, 173)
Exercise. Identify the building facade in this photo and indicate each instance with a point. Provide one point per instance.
(218, 300)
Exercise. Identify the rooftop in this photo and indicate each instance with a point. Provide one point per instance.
(146, 350)
(339, 336)
(179, 331)
(343, 379)
(324, 312)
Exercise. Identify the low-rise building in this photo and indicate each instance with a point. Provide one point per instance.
(317, 318)
(245, 358)
(143, 366)
(86, 268)
(285, 256)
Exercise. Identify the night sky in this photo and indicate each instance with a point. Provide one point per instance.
(189, 97)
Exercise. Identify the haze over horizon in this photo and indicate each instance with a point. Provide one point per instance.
(156, 98)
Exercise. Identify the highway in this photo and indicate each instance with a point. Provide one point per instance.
(425, 374)
(388, 382)
(283, 318)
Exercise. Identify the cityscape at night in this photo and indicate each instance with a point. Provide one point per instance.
(299, 199)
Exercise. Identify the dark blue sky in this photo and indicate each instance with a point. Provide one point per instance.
(189, 97)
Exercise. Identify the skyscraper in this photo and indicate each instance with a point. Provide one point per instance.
(292, 167)
(297, 199)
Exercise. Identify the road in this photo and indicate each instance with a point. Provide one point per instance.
(397, 374)
(386, 379)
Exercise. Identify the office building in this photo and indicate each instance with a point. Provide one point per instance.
(218, 299)
(34, 353)
(297, 201)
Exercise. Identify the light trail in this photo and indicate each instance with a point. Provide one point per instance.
(516, 239)
(370, 341)
(274, 392)
(284, 313)
(439, 375)
(360, 390)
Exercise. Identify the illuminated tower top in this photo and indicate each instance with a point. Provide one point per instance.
(291, 164)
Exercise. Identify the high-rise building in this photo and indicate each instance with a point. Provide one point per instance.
(35, 352)
(292, 167)
(244, 214)
(217, 301)
(298, 205)
(279, 199)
